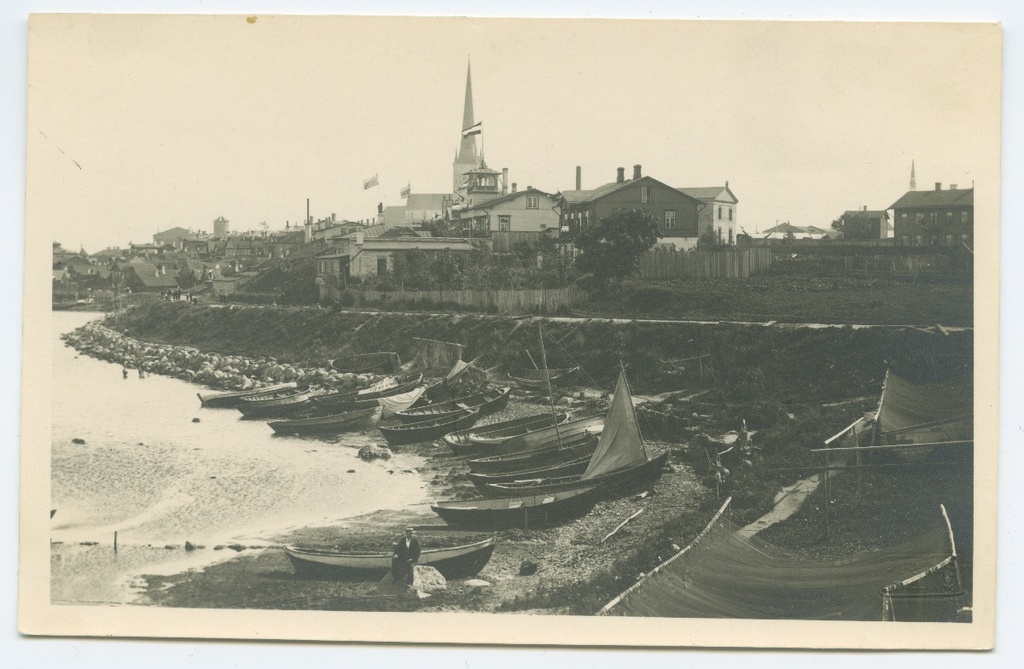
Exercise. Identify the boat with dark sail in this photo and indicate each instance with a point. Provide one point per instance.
(619, 465)
(231, 398)
(538, 379)
(383, 362)
(467, 442)
(330, 424)
(568, 449)
(429, 428)
(529, 512)
(454, 562)
(274, 404)
(487, 402)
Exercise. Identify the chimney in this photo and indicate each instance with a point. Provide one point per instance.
(332, 217)
(726, 183)
(636, 172)
(529, 188)
(938, 185)
(579, 177)
(359, 237)
(504, 180)
(621, 175)
(864, 208)
(513, 186)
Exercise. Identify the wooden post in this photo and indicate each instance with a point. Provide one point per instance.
(827, 497)
(115, 541)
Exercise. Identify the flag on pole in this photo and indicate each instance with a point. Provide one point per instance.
(405, 191)
(370, 183)
(474, 129)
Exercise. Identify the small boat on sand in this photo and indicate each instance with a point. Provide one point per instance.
(538, 379)
(367, 397)
(455, 562)
(231, 398)
(529, 512)
(468, 442)
(567, 450)
(430, 428)
(330, 424)
(544, 438)
(487, 402)
(273, 404)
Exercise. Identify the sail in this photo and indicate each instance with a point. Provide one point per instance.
(400, 402)
(621, 444)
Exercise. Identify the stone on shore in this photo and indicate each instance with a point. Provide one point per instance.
(374, 451)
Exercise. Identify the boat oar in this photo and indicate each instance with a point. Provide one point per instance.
(619, 527)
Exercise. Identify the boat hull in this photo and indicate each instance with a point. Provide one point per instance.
(331, 424)
(530, 512)
(613, 484)
(428, 430)
(568, 449)
(536, 379)
(570, 468)
(453, 563)
(232, 398)
(544, 438)
(487, 403)
(351, 400)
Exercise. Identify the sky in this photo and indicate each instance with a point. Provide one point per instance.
(139, 124)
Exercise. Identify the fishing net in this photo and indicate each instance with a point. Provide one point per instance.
(433, 354)
(920, 413)
(724, 574)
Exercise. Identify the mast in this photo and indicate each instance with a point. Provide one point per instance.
(547, 377)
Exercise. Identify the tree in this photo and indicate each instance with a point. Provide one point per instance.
(611, 249)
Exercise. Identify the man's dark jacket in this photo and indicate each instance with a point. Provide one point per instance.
(410, 552)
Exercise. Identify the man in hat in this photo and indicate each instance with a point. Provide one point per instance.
(407, 553)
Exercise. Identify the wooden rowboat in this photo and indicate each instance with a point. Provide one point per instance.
(330, 424)
(429, 428)
(568, 449)
(546, 437)
(613, 484)
(273, 404)
(529, 512)
(487, 402)
(455, 562)
(468, 442)
(383, 362)
(568, 468)
(363, 399)
(538, 379)
(231, 398)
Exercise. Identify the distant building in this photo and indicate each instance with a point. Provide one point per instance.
(864, 225)
(530, 210)
(935, 217)
(718, 215)
(220, 227)
(675, 211)
(173, 236)
(145, 277)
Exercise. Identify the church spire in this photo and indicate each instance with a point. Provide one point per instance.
(913, 178)
(467, 150)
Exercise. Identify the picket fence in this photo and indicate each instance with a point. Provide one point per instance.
(733, 263)
(545, 300)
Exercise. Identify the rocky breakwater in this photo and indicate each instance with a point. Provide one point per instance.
(227, 372)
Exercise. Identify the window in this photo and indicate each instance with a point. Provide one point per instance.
(949, 217)
(533, 202)
(933, 218)
(730, 213)
(645, 194)
(918, 217)
(903, 217)
(917, 240)
(963, 217)
(670, 220)
(382, 266)
(730, 230)
(504, 223)
(719, 213)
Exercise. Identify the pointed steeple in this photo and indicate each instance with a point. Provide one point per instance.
(913, 177)
(467, 150)
(467, 158)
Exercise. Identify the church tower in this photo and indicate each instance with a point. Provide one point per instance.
(913, 179)
(467, 158)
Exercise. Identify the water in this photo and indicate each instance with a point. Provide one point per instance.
(157, 478)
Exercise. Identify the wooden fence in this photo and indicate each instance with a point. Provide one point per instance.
(545, 300)
(733, 263)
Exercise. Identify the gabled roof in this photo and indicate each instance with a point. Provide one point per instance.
(709, 193)
(375, 230)
(422, 243)
(935, 198)
(177, 231)
(397, 231)
(578, 196)
(425, 201)
(489, 204)
(151, 278)
(869, 214)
